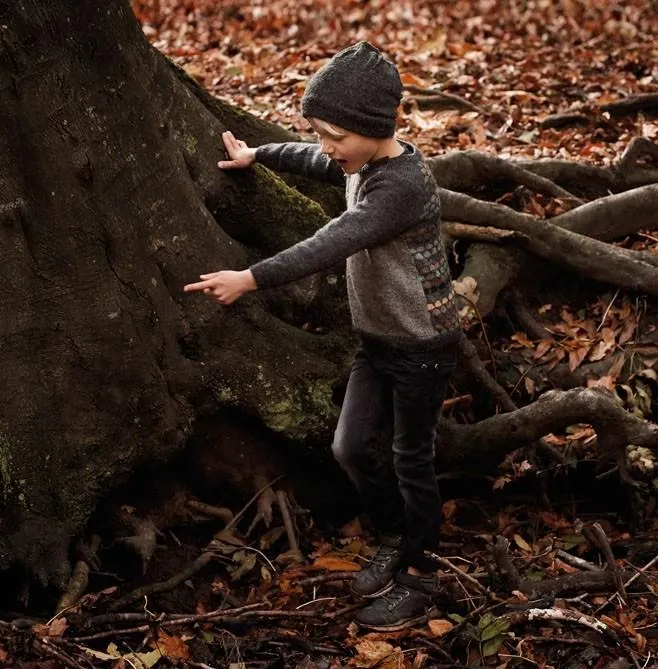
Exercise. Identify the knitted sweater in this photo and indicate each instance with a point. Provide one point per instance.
(398, 279)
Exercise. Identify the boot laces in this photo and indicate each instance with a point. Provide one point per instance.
(384, 555)
(396, 595)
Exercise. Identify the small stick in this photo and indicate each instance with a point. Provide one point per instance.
(281, 498)
(164, 586)
(328, 577)
(575, 561)
(467, 577)
(216, 614)
(504, 562)
(610, 558)
(560, 615)
(44, 646)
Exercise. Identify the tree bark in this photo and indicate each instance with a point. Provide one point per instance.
(110, 203)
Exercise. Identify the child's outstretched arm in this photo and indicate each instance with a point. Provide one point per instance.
(293, 157)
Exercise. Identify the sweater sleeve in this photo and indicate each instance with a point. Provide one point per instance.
(387, 208)
(301, 158)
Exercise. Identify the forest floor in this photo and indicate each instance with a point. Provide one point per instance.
(531, 79)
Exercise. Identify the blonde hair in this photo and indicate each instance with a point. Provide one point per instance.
(328, 128)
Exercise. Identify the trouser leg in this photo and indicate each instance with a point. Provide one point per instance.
(366, 410)
(420, 382)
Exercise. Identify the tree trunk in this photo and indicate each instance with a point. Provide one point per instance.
(110, 202)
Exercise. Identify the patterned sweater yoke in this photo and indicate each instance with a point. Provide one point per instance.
(398, 278)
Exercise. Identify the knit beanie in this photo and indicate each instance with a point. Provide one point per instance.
(358, 90)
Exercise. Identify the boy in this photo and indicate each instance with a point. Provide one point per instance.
(401, 301)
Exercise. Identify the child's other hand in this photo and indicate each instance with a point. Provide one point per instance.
(224, 287)
(241, 155)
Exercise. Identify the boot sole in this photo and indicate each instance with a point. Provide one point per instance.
(379, 593)
(398, 626)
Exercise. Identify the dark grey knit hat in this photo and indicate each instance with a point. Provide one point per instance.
(358, 90)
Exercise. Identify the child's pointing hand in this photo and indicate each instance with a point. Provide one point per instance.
(224, 287)
(241, 155)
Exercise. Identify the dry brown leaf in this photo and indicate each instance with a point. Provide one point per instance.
(55, 628)
(543, 347)
(371, 653)
(603, 382)
(439, 627)
(576, 357)
(565, 567)
(172, 647)
(410, 78)
(522, 338)
(333, 562)
(522, 543)
(627, 332)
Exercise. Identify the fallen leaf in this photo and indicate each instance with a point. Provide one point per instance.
(520, 595)
(543, 347)
(522, 338)
(372, 653)
(576, 357)
(522, 543)
(409, 78)
(334, 563)
(172, 647)
(439, 627)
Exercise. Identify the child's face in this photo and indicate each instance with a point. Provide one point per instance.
(349, 149)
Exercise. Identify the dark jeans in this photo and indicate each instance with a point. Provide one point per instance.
(408, 387)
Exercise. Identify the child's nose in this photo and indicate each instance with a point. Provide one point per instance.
(326, 147)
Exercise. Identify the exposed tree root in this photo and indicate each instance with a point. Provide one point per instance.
(631, 104)
(617, 215)
(428, 98)
(554, 410)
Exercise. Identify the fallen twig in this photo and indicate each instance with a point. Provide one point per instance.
(604, 546)
(575, 561)
(562, 616)
(467, 577)
(325, 578)
(44, 646)
(164, 586)
(282, 500)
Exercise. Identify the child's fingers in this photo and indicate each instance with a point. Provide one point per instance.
(211, 275)
(227, 164)
(195, 287)
(229, 140)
